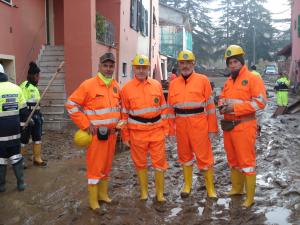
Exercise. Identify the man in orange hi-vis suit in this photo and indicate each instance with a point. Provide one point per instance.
(243, 94)
(95, 107)
(144, 108)
(193, 120)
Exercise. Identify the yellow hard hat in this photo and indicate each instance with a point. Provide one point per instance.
(233, 50)
(186, 55)
(82, 138)
(140, 60)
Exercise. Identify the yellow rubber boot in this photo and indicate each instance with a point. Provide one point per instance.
(93, 196)
(188, 179)
(238, 183)
(24, 153)
(103, 191)
(37, 159)
(159, 186)
(143, 179)
(250, 190)
(209, 183)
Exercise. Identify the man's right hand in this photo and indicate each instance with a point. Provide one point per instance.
(91, 130)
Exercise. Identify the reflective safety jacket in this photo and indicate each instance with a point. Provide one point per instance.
(247, 94)
(31, 94)
(13, 112)
(192, 99)
(143, 106)
(95, 103)
(282, 84)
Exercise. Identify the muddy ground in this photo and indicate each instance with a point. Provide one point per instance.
(58, 194)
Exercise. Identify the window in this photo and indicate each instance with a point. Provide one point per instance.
(124, 70)
(134, 14)
(146, 23)
(7, 1)
(142, 19)
(299, 26)
(139, 17)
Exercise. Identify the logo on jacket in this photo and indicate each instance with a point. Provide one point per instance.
(115, 90)
(244, 82)
(156, 100)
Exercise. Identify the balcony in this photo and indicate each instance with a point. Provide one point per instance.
(105, 31)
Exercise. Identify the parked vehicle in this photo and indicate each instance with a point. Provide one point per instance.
(270, 70)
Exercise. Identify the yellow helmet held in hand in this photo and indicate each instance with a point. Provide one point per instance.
(82, 138)
(186, 55)
(140, 60)
(233, 50)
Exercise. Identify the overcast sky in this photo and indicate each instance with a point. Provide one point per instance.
(278, 8)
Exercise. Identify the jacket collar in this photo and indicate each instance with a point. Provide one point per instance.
(137, 82)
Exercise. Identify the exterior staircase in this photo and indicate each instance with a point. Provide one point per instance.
(52, 105)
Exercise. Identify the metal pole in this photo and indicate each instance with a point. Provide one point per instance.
(44, 92)
(254, 51)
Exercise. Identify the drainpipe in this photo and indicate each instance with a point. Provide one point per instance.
(150, 36)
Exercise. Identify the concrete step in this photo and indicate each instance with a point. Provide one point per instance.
(49, 101)
(44, 82)
(50, 69)
(56, 124)
(48, 58)
(53, 88)
(55, 95)
(54, 53)
(49, 63)
(53, 109)
(48, 75)
(54, 115)
(56, 47)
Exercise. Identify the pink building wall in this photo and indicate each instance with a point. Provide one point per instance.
(22, 35)
(82, 51)
(155, 58)
(127, 45)
(58, 8)
(295, 42)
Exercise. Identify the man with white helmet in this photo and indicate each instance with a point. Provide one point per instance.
(13, 114)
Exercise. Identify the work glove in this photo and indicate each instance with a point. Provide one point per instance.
(226, 108)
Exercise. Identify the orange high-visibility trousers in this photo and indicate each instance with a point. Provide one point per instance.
(99, 158)
(192, 140)
(152, 142)
(239, 145)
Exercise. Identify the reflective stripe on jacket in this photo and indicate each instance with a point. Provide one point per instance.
(12, 108)
(247, 94)
(95, 103)
(144, 100)
(193, 93)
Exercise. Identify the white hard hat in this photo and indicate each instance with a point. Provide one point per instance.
(1, 69)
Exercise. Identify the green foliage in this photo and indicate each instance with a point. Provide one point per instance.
(100, 27)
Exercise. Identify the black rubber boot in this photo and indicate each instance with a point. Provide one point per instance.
(18, 170)
(2, 177)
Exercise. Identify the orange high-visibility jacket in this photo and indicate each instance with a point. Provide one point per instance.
(195, 92)
(247, 94)
(95, 103)
(146, 100)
